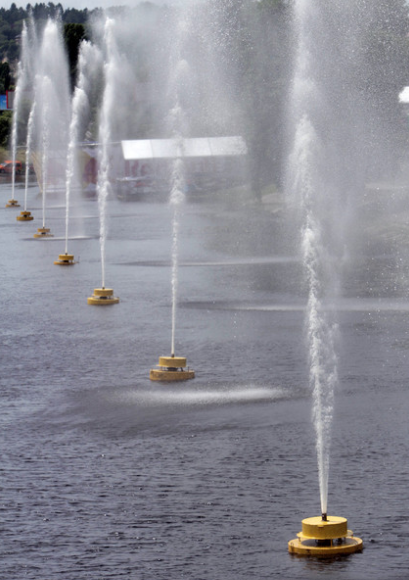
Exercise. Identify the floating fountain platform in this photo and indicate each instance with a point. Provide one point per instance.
(25, 216)
(12, 203)
(171, 368)
(65, 260)
(102, 297)
(325, 537)
(43, 233)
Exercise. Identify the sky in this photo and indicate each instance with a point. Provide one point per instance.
(81, 4)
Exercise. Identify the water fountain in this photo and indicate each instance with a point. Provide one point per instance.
(44, 232)
(312, 184)
(89, 65)
(79, 110)
(52, 114)
(26, 215)
(28, 52)
(105, 296)
(172, 368)
(22, 72)
(25, 81)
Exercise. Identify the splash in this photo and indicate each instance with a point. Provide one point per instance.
(208, 396)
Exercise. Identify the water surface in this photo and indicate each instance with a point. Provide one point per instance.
(106, 475)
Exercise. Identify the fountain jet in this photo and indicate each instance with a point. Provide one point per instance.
(52, 113)
(105, 296)
(22, 71)
(314, 186)
(26, 215)
(173, 368)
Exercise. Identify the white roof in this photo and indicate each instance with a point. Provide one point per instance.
(171, 148)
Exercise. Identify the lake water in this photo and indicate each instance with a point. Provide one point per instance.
(105, 475)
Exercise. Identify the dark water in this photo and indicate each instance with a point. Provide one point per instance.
(107, 475)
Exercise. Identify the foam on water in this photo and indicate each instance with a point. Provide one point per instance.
(187, 396)
(345, 305)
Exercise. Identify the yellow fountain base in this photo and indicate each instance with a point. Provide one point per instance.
(25, 216)
(65, 260)
(12, 203)
(103, 297)
(43, 233)
(325, 538)
(171, 368)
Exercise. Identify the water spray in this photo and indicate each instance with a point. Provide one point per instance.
(53, 102)
(21, 82)
(79, 103)
(44, 232)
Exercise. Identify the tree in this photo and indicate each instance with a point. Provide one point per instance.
(5, 77)
(5, 127)
(73, 35)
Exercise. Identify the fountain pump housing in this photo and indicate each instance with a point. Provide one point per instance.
(25, 216)
(65, 260)
(325, 538)
(103, 297)
(43, 233)
(171, 368)
(12, 203)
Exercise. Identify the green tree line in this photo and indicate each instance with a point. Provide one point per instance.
(11, 23)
